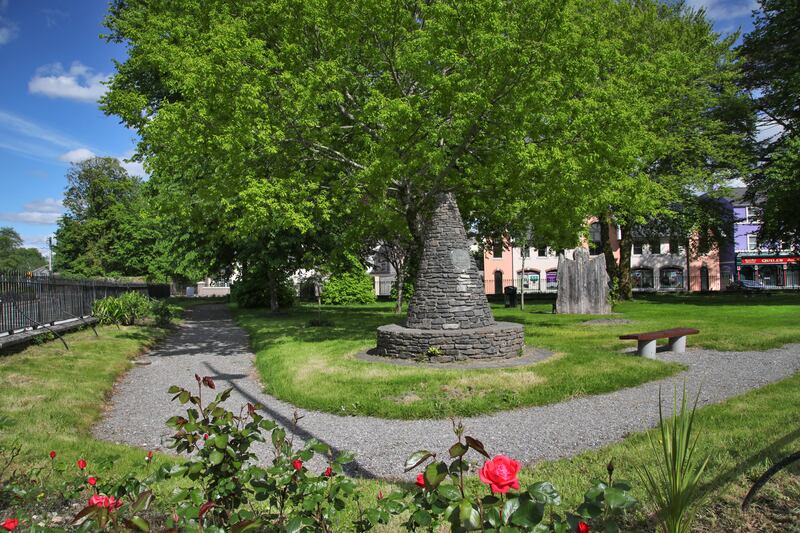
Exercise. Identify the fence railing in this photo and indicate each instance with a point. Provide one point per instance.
(29, 301)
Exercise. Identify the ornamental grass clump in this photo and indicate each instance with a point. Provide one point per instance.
(673, 483)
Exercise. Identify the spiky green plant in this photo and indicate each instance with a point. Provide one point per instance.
(673, 483)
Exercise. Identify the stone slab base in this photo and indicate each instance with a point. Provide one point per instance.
(502, 339)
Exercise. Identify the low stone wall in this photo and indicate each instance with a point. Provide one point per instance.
(502, 339)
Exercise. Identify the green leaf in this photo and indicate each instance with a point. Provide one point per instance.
(278, 436)
(476, 445)
(422, 518)
(216, 457)
(435, 473)
(221, 440)
(469, 516)
(617, 499)
(138, 523)
(294, 525)
(528, 514)
(416, 459)
(544, 492)
(458, 449)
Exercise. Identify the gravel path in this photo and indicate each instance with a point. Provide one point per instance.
(210, 343)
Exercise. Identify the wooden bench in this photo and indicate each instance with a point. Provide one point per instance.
(647, 341)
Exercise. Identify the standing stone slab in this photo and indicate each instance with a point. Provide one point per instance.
(582, 285)
(448, 293)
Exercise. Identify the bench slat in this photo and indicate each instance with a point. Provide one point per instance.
(663, 334)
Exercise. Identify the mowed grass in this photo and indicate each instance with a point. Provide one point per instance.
(742, 437)
(315, 367)
(51, 398)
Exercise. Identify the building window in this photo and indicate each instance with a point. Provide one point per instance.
(542, 252)
(752, 215)
(673, 246)
(637, 248)
(752, 241)
(671, 278)
(642, 278)
(497, 250)
(552, 279)
(655, 245)
(526, 251)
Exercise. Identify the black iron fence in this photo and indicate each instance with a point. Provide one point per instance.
(28, 301)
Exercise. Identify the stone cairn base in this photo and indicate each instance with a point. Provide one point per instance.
(499, 340)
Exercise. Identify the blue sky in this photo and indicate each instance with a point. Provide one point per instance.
(52, 65)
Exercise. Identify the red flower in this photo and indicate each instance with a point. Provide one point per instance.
(380, 494)
(500, 473)
(10, 524)
(208, 382)
(149, 456)
(53, 454)
(297, 464)
(328, 472)
(92, 481)
(205, 436)
(583, 527)
(81, 463)
(105, 502)
(421, 480)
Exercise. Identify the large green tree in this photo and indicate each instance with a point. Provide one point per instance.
(772, 74)
(265, 119)
(14, 256)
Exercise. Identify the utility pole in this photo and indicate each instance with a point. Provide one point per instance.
(50, 254)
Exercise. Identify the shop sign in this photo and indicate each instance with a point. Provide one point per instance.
(769, 260)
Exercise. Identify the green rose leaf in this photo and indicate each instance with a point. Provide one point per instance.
(416, 459)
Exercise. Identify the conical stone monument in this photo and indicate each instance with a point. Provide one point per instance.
(449, 310)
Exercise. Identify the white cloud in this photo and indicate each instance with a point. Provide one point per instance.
(19, 126)
(721, 10)
(79, 83)
(31, 217)
(46, 205)
(53, 16)
(8, 29)
(77, 155)
(768, 132)
(37, 241)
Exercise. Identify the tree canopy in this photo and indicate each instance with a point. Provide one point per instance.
(14, 256)
(772, 74)
(270, 120)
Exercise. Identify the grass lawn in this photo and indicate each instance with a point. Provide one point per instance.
(50, 398)
(315, 367)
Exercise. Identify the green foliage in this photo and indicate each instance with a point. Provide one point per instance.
(14, 257)
(673, 483)
(254, 291)
(163, 312)
(123, 310)
(348, 288)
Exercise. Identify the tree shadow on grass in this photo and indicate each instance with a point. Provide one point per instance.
(721, 299)
(774, 451)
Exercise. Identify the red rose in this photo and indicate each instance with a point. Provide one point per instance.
(328, 472)
(583, 527)
(297, 464)
(421, 480)
(105, 502)
(500, 473)
(149, 456)
(81, 463)
(10, 524)
(380, 494)
(53, 454)
(205, 436)
(92, 481)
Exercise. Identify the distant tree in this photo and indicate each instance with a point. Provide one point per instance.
(772, 74)
(15, 257)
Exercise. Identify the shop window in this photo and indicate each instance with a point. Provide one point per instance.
(671, 278)
(530, 280)
(642, 278)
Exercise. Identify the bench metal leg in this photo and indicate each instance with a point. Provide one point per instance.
(647, 349)
(677, 344)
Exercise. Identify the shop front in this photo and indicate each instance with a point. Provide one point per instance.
(775, 272)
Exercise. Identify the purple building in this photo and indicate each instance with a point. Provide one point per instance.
(748, 259)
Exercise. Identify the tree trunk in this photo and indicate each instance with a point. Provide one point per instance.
(273, 294)
(400, 280)
(605, 241)
(624, 270)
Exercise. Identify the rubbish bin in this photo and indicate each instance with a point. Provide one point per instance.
(510, 296)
